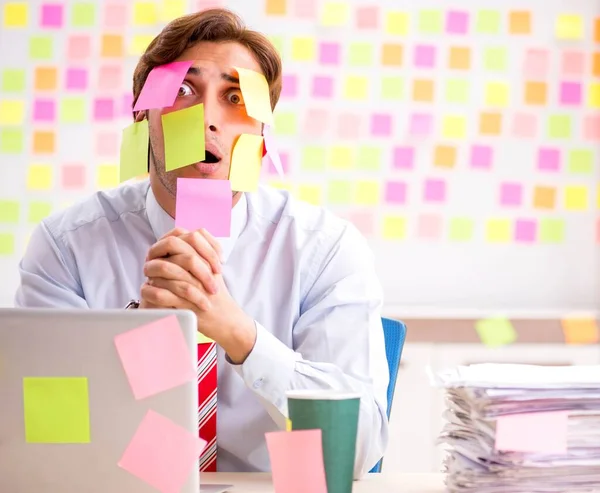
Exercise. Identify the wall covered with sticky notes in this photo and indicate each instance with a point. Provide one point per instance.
(462, 140)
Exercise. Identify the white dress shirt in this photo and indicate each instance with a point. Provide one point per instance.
(306, 277)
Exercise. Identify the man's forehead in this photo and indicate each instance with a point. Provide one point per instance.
(217, 58)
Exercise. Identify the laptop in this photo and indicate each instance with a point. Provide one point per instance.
(76, 416)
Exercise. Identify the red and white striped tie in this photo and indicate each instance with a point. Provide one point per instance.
(207, 404)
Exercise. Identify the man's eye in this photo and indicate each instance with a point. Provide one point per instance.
(235, 97)
(184, 90)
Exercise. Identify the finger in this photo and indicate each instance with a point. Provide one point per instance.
(213, 242)
(170, 245)
(205, 250)
(163, 298)
(183, 291)
(187, 268)
(175, 232)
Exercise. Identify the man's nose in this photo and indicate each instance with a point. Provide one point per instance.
(211, 116)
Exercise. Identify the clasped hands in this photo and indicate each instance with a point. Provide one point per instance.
(184, 271)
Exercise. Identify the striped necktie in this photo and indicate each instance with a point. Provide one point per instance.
(207, 404)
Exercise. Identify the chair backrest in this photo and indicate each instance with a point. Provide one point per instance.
(394, 333)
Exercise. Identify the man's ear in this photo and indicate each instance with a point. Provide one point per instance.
(140, 115)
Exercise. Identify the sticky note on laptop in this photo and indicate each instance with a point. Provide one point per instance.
(155, 357)
(257, 99)
(544, 433)
(162, 85)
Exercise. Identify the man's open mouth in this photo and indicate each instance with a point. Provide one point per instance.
(210, 158)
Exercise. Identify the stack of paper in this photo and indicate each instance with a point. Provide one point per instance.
(521, 428)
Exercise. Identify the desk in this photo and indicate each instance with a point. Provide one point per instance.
(373, 483)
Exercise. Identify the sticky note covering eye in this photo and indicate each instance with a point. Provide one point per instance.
(134, 151)
(496, 331)
(246, 161)
(155, 357)
(255, 90)
(183, 132)
(56, 410)
(162, 85)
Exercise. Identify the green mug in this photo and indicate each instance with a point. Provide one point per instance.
(335, 413)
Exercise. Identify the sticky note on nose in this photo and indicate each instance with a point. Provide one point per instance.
(246, 161)
(183, 133)
(255, 90)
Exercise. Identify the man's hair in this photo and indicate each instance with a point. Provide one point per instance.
(216, 25)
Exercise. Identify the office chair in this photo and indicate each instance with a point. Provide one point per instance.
(394, 333)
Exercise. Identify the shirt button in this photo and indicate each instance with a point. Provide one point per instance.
(258, 383)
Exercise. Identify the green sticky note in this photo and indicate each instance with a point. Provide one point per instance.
(277, 43)
(392, 88)
(72, 110)
(313, 158)
(496, 331)
(361, 54)
(461, 229)
(9, 211)
(581, 161)
(38, 211)
(559, 126)
(202, 339)
(134, 151)
(552, 230)
(41, 47)
(83, 14)
(457, 91)
(369, 158)
(487, 22)
(431, 21)
(7, 244)
(13, 80)
(339, 192)
(56, 410)
(495, 59)
(183, 132)
(11, 141)
(285, 123)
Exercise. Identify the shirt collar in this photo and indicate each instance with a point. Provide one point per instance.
(161, 222)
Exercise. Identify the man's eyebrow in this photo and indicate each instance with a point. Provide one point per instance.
(230, 78)
(193, 71)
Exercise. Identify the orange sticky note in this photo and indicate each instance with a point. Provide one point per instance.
(246, 161)
(45, 79)
(490, 123)
(43, 142)
(580, 330)
(460, 58)
(423, 90)
(275, 7)
(520, 22)
(597, 30)
(544, 198)
(112, 45)
(255, 90)
(536, 93)
(544, 433)
(445, 156)
(391, 54)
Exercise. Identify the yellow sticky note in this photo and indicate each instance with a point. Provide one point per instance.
(498, 231)
(12, 112)
(496, 94)
(183, 132)
(56, 410)
(38, 211)
(107, 176)
(246, 160)
(202, 339)
(303, 49)
(454, 127)
(144, 14)
(9, 211)
(569, 26)
(580, 330)
(134, 151)
(335, 13)
(394, 228)
(255, 90)
(172, 9)
(7, 244)
(368, 192)
(313, 194)
(396, 23)
(39, 177)
(15, 14)
(139, 43)
(288, 424)
(496, 331)
(356, 87)
(341, 157)
(594, 95)
(576, 198)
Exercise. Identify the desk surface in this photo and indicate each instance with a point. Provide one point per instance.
(373, 483)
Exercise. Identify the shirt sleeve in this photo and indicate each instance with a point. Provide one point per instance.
(48, 274)
(338, 345)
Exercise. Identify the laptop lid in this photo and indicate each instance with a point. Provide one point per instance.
(69, 411)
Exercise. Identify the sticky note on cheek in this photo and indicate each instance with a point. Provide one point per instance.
(246, 161)
(134, 151)
(255, 91)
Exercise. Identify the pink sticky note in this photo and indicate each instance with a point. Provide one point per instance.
(51, 15)
(73, 176)
(322, 86)
(570, 93)
(573, 63)
(429, 226)
(44, 110)
(511, 194)
(107, 144)
(162, 85)
(204, 203)
(404, 157)
(591, 127)
(395, 192)
(381, 125)
(536, 64)
(424, 56)
(364, 222)
(329, 53)
(525, 230)
(548, 159)
(297, 461)
(162, 453)
(155, 357)
(271, 169)
(544, 433)
(349, 126)
(289, 86)
(421, 124)
(104, 109)
(127, 104)
(274, 158)
(524, 125)
(481, 157)
(434, 190)
(316, 122)
(457, 22)
(367, 17)
(78, 47)
(109, 77)
(76, 79)
(115, 15)
(307, 9)
(208, 4)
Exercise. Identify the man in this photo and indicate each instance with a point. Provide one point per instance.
(290, 298)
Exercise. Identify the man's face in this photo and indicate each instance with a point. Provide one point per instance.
(213, 81)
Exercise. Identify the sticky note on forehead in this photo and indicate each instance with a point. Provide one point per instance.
(255, 90)
(162, 85)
